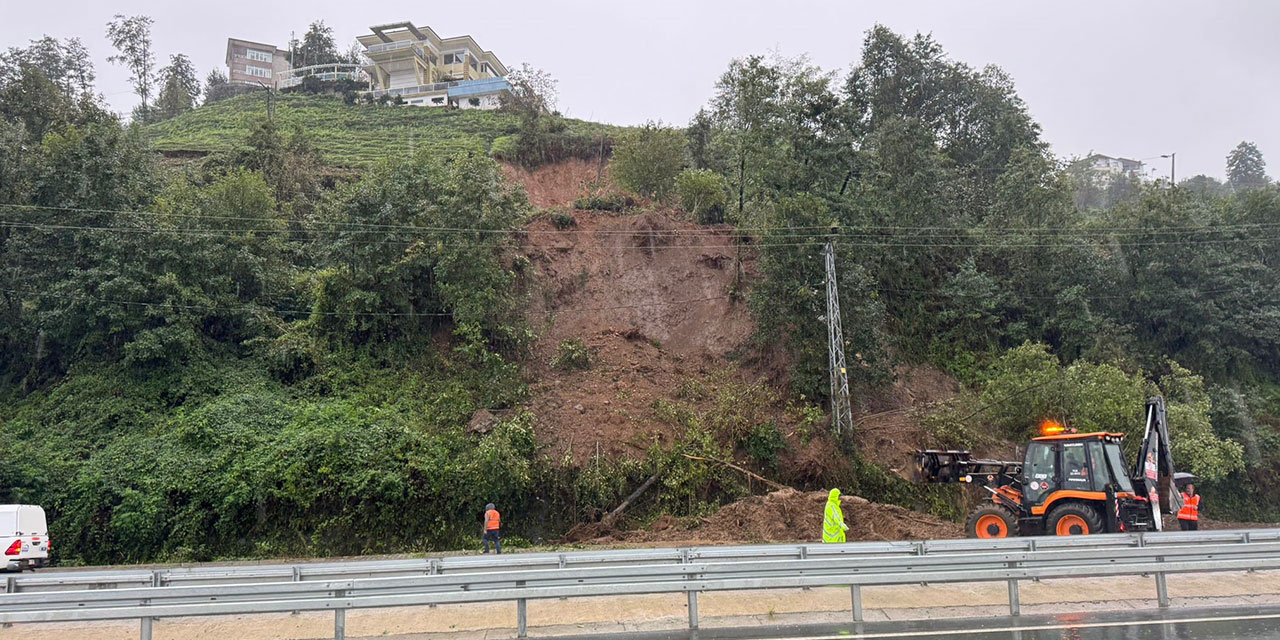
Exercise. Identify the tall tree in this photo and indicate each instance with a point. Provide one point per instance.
(132, 39)
(317, 47)
(66, 63)
(1245, 167)
(179, 87)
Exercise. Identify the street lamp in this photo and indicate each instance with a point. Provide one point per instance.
(1173, 165)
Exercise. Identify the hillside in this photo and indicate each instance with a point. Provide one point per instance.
(345, 135)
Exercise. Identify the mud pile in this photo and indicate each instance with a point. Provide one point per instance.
(782, 516)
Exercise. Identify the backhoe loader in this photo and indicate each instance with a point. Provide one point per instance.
(1068, 483)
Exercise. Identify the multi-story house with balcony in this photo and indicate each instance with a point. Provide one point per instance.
(424, 69)
(254, 63)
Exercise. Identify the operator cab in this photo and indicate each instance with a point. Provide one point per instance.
(1074, 462)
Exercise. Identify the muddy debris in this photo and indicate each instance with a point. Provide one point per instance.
(786, 515)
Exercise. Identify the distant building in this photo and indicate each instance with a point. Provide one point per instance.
(255, 63)
(1106, 166)
(424, 69)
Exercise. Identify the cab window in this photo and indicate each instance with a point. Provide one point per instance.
(1041, 471)
(1098, 465)
(1118, 470)
(1075, 465)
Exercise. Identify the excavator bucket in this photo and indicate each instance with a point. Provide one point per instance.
(938, 465)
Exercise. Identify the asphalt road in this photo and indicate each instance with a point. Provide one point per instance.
(1240, 623)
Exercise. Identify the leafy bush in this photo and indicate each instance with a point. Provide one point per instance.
(703, 193)
(605, 202)
(571, 355)
(763, 442)
(563, 220)
(646, 160)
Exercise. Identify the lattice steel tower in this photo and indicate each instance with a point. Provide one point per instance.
(841, 408)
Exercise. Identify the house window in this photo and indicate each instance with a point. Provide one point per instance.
(260, 56)
(257, 71)
(453, 58)
(473, 63)
(484, 67)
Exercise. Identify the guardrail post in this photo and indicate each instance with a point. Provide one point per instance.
(10, 586)
(691, 594)
(1162, 590)
(1015, 607)
(297, 577)
(855, 592)
(433, 568)
(522, 615)
(147, 622)
(340, 617)
(804, 555)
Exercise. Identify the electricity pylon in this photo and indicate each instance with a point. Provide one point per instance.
(841, 408)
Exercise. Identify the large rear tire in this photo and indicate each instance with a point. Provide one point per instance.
(1074, 519)
(991, 520)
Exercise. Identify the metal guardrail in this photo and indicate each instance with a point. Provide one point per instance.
(337, 587)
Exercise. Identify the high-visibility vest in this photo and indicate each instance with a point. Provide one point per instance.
(491, 520)
(833, 523)
(1190, 507)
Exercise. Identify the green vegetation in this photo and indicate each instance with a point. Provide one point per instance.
(704, 194)
(355, 135)
(234, 358)
(646, 160)
(571, 355)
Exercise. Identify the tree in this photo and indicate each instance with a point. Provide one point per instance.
(131, 38)
(180, 88)
(533, 92)
(317, 47)
(703, 193)
(646, 160)
(1246, 168)
(66, 63)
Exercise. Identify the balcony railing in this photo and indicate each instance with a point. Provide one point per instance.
(326, 72)
(463, 87)
(389, 46)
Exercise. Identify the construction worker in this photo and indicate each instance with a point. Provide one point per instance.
(489, 531)
(833, 526)
(1189, 514)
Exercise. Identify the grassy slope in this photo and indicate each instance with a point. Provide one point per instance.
(347, 135)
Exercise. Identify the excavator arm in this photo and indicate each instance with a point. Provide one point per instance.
(939, 465)
(1154, 468)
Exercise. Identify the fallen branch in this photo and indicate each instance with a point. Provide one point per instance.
(739, 469)
(613, 515)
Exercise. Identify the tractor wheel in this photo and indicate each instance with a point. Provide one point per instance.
(991, 520)
(1074, 519)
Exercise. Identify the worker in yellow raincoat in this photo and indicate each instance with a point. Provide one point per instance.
(833, 526)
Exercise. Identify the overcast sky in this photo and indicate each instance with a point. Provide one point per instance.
(1127, 78)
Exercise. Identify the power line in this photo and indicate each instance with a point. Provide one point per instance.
(260, 309)
(858, 240)
(813, 230)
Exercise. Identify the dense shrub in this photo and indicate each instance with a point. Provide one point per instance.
(647, 159)
(605, 202)
(571, 355)
(703, 193)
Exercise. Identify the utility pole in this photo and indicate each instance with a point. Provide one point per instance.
(1173, 166)
(841, 407)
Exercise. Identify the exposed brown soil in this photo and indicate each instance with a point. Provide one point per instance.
(654, 308)
(556, 185)
(782, 516)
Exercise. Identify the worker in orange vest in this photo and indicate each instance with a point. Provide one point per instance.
(490, 528)
(1189, 514)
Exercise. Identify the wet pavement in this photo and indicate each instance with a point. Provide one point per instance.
(1243, 623)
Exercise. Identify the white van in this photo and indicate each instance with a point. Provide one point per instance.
(24, 537)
